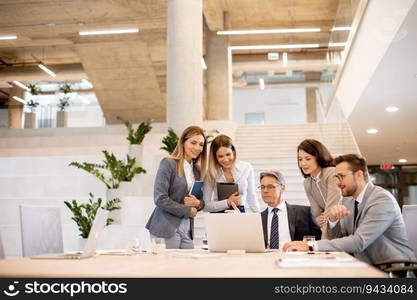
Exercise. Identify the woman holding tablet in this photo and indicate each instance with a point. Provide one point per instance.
(173, 217)
(224, 167)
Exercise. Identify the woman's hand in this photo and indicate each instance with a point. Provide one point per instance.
(235, 209)
(191, 201)
(234, 198)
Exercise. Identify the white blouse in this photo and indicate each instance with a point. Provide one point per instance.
(244, 176)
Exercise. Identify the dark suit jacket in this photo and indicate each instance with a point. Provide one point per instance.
(169, 193)
(300, 222)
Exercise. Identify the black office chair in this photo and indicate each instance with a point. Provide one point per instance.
(404, 268)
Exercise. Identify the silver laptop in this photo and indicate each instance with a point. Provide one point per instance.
(235, 232)
(91, 244)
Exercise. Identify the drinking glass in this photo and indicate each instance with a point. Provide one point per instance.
(158, 245)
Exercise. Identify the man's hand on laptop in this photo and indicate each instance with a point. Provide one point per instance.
(235, 209)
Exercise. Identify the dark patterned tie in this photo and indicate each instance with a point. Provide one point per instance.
(274, 239)
(356, 213)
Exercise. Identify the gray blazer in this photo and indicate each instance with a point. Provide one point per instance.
(169, 193)
(379, 233)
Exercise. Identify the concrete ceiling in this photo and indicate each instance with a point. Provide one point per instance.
(129, 71)
(394, 82)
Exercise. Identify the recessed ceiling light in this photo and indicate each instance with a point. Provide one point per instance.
(391, 109)
(267, 31)
(8, 37)
(19, 84)
(109, 31)
(273, 56)
(261, 47)
(46, 70)
(19, 99)
(341, 28)
(402, 160)
(372, 130)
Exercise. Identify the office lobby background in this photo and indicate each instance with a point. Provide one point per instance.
(353, 88)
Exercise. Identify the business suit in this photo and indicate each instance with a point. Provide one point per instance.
(169, 193)
(300, 223)
(379, 233)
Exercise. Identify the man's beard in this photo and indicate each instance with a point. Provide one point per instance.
(351, 191)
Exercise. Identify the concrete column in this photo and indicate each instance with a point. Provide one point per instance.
(16, 108)
(219, 78)
(184, 71)
(311, 99)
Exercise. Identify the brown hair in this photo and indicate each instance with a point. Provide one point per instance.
(214, 166)
(275, 174)
(319, 151)
(178, 154)
(356, 163)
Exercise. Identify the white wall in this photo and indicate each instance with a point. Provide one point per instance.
(280, 105)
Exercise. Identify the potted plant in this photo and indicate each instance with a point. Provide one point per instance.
(32, 104)
(114, 173)
(84, 214)
(64, 102)
(170, 141)
(135, 138)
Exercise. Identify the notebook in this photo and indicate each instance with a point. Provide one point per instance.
(196, 189)
(90, 246)
(235, 232)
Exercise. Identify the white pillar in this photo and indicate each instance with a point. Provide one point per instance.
(219, 78)
(184, 71)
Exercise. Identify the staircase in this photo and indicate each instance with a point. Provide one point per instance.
(273, 147)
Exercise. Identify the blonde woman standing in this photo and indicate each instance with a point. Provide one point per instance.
(225, 167)
(173, 216)
(316, 165)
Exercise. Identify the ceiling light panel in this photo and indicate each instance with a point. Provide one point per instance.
(267, 31)
(265, 47)
(109, 31)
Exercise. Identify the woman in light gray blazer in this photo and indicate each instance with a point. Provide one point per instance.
(316, 165)
(173, 216)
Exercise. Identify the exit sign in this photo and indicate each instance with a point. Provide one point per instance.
(387, 166)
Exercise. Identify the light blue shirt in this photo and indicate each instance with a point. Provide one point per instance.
(244, 176)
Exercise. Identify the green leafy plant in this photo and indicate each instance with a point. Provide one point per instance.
(64, 100)
(33, 103)
(84, 214)
(170, 141)
(119, 169)
(135, 137)
(210, 135)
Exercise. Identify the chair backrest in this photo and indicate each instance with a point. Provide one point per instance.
(410, 220)
(2, 253)
(41, 230)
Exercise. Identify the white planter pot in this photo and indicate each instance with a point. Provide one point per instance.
(81, 244)
(30, 120)
(136, 151)
(61, 119)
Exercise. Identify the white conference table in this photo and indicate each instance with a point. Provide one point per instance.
(168, 265)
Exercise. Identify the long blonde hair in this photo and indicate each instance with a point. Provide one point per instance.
(214, 166)
(178, 154)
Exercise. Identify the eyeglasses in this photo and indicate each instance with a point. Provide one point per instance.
(341, 176)
(269, 187)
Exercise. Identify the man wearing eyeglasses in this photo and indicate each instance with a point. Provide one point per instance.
(369, 225)
(281, 221)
